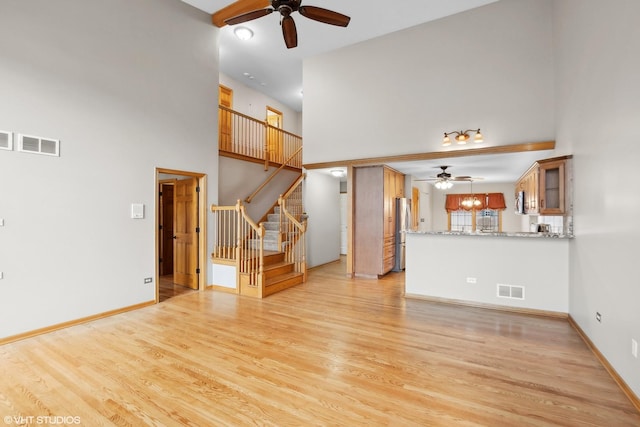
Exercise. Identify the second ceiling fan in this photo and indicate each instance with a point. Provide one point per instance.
(286, 8)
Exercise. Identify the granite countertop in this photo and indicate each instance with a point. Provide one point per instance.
(496, 234)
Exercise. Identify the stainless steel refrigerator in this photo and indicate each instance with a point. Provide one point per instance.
(403, 224)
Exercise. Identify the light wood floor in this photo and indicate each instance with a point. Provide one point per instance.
(167, 289)
(333, 351)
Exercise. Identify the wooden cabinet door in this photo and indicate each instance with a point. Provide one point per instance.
(530, 186)
(552, 188)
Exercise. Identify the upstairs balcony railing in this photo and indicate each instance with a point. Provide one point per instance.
(242, 135)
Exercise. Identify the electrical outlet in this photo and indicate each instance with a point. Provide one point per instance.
(634, 348)
(1, 222)
(598, 317)
(1, 275)
(148, 280)
(472, 280)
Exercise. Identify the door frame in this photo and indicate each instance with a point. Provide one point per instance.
(202, 221)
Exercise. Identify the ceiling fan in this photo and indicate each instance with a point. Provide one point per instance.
(286, 8)
(445, 180)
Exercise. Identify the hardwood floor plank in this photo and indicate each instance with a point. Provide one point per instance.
(333, 351)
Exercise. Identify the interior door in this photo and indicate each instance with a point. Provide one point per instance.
(166, 228)
(225, 125)
(186, 228)
(274, 136)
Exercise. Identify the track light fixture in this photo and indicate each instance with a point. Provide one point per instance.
(462, 137)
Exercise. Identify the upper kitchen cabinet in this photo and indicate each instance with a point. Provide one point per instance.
(545, 186)
(552, 187)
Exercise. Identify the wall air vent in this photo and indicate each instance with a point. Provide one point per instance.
(509, 291)
(38, 145)
(6, 140)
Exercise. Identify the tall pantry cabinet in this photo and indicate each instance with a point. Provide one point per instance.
(375, 190)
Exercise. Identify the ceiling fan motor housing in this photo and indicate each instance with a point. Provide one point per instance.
(285, 7)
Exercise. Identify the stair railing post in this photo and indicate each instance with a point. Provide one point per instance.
(238, 246)
(267, 153)
(281, 203)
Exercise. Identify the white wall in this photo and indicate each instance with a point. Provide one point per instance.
(322, 204)
(490, 67)
(127, 87)
(252, 103)
(598, 106)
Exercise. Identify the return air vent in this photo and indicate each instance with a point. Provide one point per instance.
(6, 140)
(509, 291)
(38, 145)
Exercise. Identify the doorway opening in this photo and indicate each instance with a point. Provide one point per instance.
(181, 233)
(274, 136)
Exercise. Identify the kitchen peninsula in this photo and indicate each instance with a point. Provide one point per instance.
(521, 271)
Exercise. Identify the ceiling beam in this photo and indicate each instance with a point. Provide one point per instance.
(237, 8)
(500, 149)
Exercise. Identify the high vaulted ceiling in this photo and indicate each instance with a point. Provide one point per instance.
(266, 65)
(277, 71)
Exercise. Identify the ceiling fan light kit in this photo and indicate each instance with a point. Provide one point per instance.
(243, 33)
(444, 180)
(462, 137)
(286, 8)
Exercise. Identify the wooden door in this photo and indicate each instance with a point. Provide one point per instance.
(274, 136)
(166, 228)
(186, 228)
(225, 125)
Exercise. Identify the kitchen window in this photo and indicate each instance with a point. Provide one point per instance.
(485, 220)
(485, 216)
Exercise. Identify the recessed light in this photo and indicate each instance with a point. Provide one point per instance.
(243, 33)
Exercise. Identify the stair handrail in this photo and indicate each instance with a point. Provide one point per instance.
(273, 174)
(293, 186)
(250, 259)
(295, 232)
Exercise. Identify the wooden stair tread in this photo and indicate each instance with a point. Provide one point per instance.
(283, 277)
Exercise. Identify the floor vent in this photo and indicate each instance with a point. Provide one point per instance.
(6, 140)
(38, 145)
(509, 291)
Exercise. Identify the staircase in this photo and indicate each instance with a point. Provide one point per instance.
(267, 257)
(279, 274)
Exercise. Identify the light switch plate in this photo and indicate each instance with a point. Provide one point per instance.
(137, 210)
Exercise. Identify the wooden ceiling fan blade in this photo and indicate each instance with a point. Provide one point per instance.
(324, 15)
(248, 16)
(289, 32)
(237, 8)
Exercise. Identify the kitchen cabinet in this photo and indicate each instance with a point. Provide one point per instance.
(375, 190)
(544, 185)
(552, 187)
(528, 184)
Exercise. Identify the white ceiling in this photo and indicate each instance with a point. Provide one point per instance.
(277, 71)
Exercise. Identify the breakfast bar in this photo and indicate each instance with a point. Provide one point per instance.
(523, 271)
